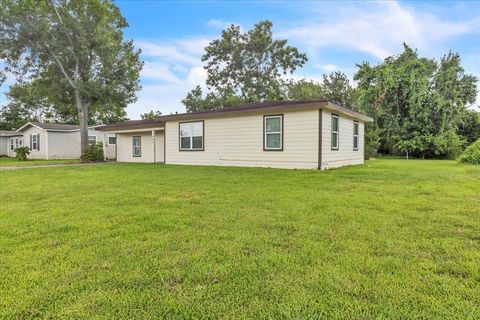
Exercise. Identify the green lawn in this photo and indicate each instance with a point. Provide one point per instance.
(13, 162)
(389, 239)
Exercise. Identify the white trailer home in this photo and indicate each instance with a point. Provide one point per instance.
(60, 141)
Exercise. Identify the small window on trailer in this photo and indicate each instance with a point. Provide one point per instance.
(355, 136)
(137, 146)
(273, 132)
(335, 131)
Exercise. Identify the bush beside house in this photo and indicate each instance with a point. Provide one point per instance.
(472, 153)
(94, 153)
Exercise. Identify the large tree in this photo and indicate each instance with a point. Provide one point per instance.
(245, 67)
(27, 103)
(76, 48)
(417, 102)
(335, 86)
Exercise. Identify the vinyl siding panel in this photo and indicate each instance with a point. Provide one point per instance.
(4, 145)
(238, 141)
(345, 155)
(159, 147)
(34, 154)
(63, 145)
(125, 147)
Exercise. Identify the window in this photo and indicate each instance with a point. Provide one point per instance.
(112, 140)
(92, 140)
(17, 143)
(34, 142)
(12, 144)
(191, 136)
(355, 135)
(273, 133)
(335, 129)
(137, 146)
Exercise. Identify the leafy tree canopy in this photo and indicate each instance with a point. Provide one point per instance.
(150, 115)
(76, 49)
(245, 67)
(418, 103)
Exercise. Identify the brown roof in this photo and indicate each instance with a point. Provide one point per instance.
(56, 126)
(251, 107)
(6, 133)
(132, 124)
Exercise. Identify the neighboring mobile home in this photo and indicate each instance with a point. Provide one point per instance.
(60, 141)
(302, 134)
(9, 141)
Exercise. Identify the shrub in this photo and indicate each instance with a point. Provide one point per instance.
(472, 153)
(22, 153)
(94, 153)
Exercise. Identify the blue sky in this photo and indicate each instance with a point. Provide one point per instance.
(334, 35)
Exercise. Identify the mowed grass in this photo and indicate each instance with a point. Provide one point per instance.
(13, 162)
(390, 239)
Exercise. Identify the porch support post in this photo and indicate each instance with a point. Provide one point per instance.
(153, 146)
(46, 144)
(104, 143)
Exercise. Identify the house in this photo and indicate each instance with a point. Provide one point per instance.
(302, 134)
(9, 141)
(60, 141)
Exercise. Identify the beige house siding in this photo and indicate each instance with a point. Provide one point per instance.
(345, 155)
(34, 154)
(125, 147)
(238, 141)
(4, 146)
(58, 144)
(159, 147)
(63, 145)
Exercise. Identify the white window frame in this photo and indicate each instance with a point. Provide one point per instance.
(112, 138)
(356, 136)
(34, 142)
(95, 138)
(12, 144)
(337, 133)
(139, 147)
(265, 133)
(191, 136)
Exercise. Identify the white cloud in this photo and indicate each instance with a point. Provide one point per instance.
(377, 29)
(218, 23)
(182, 51)
(172, 68)
(160, 71)
(327, 67)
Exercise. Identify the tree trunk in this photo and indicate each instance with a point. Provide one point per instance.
(82, 109)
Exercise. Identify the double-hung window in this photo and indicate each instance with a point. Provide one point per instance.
(335, 131)
(92, 140)
(12, 144)
(191, 136)
(137, 146)
(355, 135)
(35, 142)
(273, 133)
